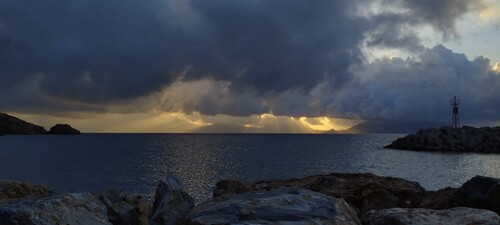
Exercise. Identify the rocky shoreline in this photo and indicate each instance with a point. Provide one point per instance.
(336, 198)
(465, 139)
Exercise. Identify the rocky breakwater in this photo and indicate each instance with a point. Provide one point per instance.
(465, 139)
(345, 199)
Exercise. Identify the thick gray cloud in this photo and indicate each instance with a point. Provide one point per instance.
(296, 57)
(419, 89)
(396, 24)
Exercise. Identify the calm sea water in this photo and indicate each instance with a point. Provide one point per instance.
(135, 162)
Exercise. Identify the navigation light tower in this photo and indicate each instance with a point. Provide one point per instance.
(455, 118)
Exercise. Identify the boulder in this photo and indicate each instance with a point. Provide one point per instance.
(77, 209)
(441, 199)
(18, 189)
(126, 209)
(417, 216)
(224, 187)
(479, 192)
(63, 129)
(363, 190)
(278, 206)
(172, 203)
(13, 125)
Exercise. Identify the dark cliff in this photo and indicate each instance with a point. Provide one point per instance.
(13, 125)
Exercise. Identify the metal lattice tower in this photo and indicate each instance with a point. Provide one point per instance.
(455, 118)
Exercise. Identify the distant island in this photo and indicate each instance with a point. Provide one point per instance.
(464, 139)
(10, 125)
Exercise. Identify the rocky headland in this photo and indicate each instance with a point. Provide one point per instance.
(10, 125)
(13, 125)
(345, 199)
(465, 139)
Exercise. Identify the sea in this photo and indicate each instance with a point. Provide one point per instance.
(136, 162)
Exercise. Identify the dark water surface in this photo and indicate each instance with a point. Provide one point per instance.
(135, 162)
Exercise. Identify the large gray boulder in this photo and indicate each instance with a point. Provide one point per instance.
(172, 203)
(479, 192)
(10, 189)
(13, 125)
(279, 206)
(441, 199)
(419, 216)
(126, 208)
(363, 190)
(74, 209)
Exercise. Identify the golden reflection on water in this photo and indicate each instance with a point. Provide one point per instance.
(198, 166)
(200, 161)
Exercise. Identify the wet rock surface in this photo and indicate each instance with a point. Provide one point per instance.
(465, 139)
(363, 190)
(279, 206)
(419, 216)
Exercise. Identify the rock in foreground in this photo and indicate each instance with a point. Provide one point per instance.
(322, 199)
(13, 125)
(172, 203)
(465, 139)
(74, 209)
(63, 129)
(18, 189)
(363, 190)
(479, 192)
(126, 209)
(280, 206)
(455, 216)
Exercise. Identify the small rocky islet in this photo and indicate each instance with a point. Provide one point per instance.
(448, 139)
(336, 198)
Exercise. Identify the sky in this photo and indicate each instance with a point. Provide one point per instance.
(249, 65)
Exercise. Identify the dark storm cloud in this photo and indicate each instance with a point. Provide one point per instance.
(77, 55)
(88, 50)
(101, 51)
(278, 45)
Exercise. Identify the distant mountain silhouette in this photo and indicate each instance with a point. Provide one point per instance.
(333, 131)
(390, 127)
(233, 128)
(225, 128)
